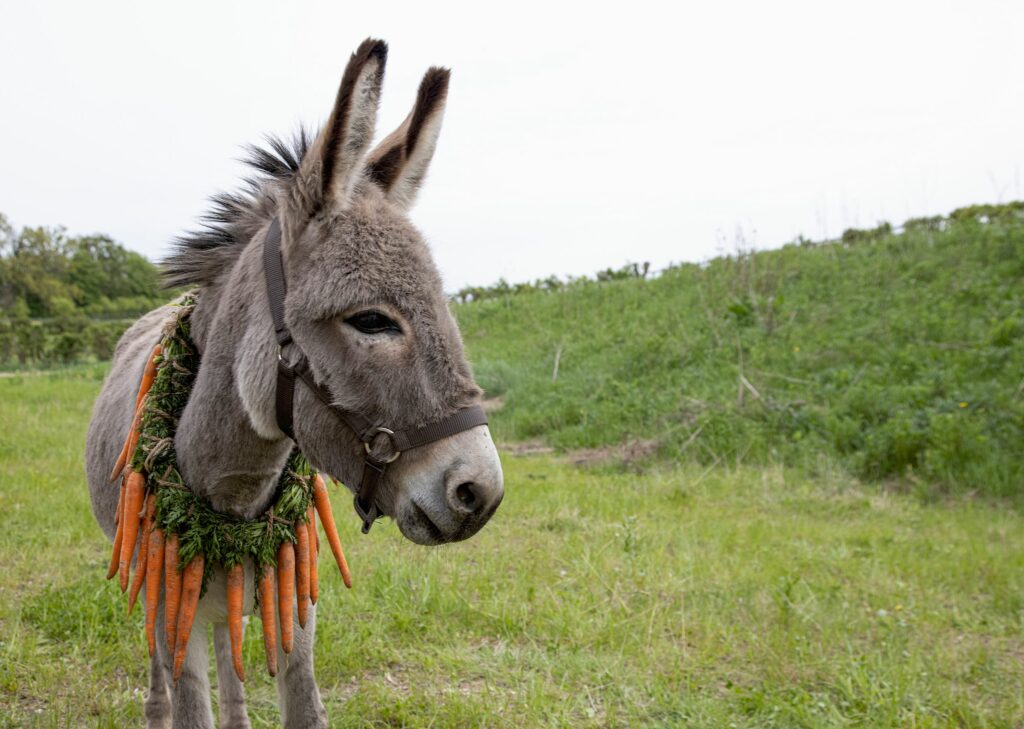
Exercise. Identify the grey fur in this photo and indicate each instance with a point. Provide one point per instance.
(348, 248)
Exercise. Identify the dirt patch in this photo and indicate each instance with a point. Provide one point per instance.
(631, 451)
(526, 448)
(493, 404)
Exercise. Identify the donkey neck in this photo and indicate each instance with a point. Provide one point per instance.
(229, 448)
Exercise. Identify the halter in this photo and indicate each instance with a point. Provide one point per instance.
(365, 429)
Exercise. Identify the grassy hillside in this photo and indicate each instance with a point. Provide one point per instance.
(895, 354)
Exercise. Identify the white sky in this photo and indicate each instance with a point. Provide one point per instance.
(576, 137)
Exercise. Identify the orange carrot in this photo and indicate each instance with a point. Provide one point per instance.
(115, 555)
(133, 441)
(235, 588)
(172, 590)
(302, 572)
(148, 375)
(314, 553)
(323, 508)
(129, 444)
(133, 496)
(285, 592)
(142, 560)
(191, 585)
(267, 616)
(312, 527)
(122, 457)
(154, 567)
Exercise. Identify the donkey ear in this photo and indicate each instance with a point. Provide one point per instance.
(400, 161)
(333, 163)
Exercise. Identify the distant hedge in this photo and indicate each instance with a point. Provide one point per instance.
(45, 343)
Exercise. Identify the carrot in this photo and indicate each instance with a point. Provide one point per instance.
(133, 495)
(148, 375)
(235, 588)
(191, 586)
(130, 442)
(172, 590)
(312, 528)
(133, 439)
(122, 457)
(323, 508)
(154, 566)
(142, 560)
(266, 588)
(285, 592)
(115, 555)
(302, 572)
(314, 553)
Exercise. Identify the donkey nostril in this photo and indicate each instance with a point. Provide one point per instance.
(464, 493)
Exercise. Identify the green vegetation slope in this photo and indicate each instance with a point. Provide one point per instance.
(896, 354)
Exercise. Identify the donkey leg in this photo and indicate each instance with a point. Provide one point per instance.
(158, 702)
(190, 694)
(298, 695)
(232, 694)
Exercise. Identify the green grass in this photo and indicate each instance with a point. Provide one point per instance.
(684, 596)
(900, 357)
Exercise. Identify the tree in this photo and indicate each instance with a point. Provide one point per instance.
(42, 266)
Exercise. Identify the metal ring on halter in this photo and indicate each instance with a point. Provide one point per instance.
(389, 433)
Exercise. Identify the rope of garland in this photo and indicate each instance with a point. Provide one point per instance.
(220, 538)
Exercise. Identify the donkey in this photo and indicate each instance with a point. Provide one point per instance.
(366, 305)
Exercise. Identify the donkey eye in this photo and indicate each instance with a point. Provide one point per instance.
(373, 322)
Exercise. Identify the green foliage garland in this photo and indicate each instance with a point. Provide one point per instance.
(220, 538)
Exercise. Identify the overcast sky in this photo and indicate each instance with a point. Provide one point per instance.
(576, 137)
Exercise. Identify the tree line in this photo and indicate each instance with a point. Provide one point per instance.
(66, 298)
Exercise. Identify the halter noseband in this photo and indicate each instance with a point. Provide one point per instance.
(366, 430)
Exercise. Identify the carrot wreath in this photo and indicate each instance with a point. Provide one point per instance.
(182, 542)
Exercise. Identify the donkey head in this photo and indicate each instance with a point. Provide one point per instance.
(365, 303)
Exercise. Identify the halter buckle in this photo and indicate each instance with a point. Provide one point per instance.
(388, 432)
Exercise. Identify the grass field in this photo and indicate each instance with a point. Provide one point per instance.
(679, 596)
(894, 354)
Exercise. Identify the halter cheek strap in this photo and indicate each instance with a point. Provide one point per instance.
(296, 365)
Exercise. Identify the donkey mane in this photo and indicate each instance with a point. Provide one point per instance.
(233, 218)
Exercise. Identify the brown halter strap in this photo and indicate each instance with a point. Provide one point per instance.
(366, 430)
